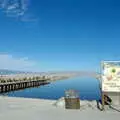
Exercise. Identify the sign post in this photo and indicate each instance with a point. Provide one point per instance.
(110, 80)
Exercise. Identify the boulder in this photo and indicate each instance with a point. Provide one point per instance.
(84, 104)
(60, 103)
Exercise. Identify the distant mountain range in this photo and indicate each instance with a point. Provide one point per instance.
(77, 73)
(5, 71)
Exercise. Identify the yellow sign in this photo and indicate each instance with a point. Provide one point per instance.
(111, 77)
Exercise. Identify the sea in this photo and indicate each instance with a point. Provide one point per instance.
(87, 89)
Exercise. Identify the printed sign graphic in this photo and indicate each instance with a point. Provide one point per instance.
(111, 76)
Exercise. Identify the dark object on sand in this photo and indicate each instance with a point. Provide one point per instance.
(107, 101)
(72, 100)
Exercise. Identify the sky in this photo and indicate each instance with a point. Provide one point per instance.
(62, 35)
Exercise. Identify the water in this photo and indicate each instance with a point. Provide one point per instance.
(88, 89)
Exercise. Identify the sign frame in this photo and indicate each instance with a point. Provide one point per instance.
(112, 90)
(101, 78)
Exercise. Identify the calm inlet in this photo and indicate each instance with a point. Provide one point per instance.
(88, 89)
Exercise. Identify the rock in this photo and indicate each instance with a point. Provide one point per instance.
(60, 103)
(84, 104)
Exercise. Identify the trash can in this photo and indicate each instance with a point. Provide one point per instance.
(72, 100)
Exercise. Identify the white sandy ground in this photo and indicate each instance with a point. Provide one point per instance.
(38, 109)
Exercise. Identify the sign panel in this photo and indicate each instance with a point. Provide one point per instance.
(111, 76)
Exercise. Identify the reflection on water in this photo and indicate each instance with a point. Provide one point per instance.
(88, 89)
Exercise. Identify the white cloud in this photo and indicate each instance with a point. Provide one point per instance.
(13, 63)
(14, 8)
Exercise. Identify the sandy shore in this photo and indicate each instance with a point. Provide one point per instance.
(38, 109)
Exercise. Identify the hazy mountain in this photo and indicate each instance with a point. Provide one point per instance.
(5, 71)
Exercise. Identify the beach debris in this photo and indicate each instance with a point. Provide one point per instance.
(84, 104)
(87, 104)
(60, 103)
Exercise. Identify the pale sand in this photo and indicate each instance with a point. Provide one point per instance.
(38, 109)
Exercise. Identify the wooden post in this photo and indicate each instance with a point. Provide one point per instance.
(33, 83)
(1, 88)
(22, 85)
(103, 102)
(6, 88)
(12, 86)
(28, 84)
(39, 83)
(25, 84)
(18, 85)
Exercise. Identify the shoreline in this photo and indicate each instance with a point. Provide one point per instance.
(17, 108)
(12, 108)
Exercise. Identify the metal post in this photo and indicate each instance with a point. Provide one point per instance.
(101, 80)
(103, 101)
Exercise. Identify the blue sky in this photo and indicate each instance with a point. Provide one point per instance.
(61, 35)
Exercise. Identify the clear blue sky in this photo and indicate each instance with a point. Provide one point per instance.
(67, 35)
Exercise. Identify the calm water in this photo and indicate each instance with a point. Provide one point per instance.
(88, 89)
